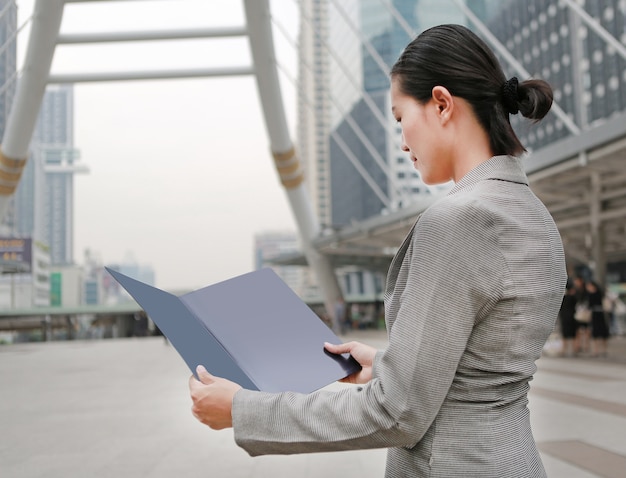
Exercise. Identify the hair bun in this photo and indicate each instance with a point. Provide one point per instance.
(534, 98)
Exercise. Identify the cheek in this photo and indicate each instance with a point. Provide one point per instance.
(409, 134)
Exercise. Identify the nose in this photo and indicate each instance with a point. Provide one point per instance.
(404, 147)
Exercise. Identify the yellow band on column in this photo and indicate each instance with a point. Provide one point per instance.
(289, 169)
(10, 177)
(293, 182)
(6, 190)
(285, 156)
(10, 173)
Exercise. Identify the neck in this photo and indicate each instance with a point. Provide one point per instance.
(471, 145)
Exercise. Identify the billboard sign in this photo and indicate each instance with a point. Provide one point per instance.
(16, 253)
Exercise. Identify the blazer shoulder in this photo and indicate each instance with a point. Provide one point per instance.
(461, 210)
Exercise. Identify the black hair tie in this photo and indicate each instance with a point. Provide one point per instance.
(509, 96)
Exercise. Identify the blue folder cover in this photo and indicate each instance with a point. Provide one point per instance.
(251, 329)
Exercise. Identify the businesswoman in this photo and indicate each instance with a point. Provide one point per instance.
(471, 296)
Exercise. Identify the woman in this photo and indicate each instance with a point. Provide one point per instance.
(471, 296)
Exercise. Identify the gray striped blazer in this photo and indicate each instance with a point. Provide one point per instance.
(471, 297)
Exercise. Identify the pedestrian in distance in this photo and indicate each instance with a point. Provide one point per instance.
(567, 320)
(582, 316)
(471, 296)
(599, 323)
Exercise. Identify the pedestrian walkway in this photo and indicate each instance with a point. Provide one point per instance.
(120, 408)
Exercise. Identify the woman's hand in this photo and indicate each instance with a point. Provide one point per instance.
(212, 399)
(364, 354)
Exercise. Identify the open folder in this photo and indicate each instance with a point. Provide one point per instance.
(251, 329)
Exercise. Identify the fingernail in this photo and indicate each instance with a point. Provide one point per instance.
(200, 369)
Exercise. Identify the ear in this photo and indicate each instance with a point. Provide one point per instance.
(444, 102)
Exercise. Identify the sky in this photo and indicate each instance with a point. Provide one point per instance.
(181, 176)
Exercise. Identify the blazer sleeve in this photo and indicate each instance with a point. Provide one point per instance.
(452, 277)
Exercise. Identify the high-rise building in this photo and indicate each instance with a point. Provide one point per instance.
(314, 104)
(547, 37)
(370, 174)
(42, 206)
(346, 50)
(44, 200)
(8, 58)
(361, 182)
(364, 171)
(54, 140)
(8, 74)
(24, 259)
(554, 43)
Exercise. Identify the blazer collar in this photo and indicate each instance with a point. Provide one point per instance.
(503, 168)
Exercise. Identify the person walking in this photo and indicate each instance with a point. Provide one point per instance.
(568, 322)
(599, 323)
(471, 296)
(582, 316)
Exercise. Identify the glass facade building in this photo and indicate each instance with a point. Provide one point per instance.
(367, 133)
(547, 38)
(365, 173)
(552, 42)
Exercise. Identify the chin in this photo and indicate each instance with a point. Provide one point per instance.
(430, 181)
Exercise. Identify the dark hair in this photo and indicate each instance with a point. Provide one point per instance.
(454, 57)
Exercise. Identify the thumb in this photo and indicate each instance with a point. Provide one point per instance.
(337, 348)
(204, 376)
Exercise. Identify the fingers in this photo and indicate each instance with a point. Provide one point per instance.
(212, 399)
(204, 378)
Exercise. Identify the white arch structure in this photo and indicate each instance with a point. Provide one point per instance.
(46, 35)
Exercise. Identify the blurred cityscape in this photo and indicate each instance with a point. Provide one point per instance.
(363, 190)
(119, 407)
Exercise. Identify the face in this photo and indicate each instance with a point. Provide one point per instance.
(421, 135)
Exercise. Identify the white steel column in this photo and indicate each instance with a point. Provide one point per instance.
(31, 86)
(598, 257)
(287, 163)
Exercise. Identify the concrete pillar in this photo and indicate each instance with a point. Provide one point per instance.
(596, 230)
(287, 162)
(46, 325)
(70, 327)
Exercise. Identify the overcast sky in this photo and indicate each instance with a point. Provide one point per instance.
(181, 176)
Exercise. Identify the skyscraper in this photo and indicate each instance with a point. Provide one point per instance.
(55, 136)
(8, 58)
(314, 104)
(554, 43)
(8, 71)
(44, 200)
(384, 179)
(364, 171)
